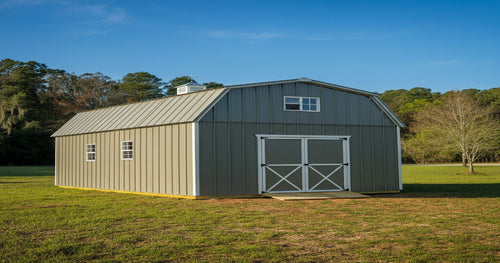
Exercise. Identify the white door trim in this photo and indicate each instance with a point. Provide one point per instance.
(261, 151)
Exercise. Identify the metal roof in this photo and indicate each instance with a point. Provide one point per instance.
(373, 95)
(169, 110)
(180, 109)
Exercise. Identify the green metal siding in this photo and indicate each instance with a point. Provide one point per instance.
(228, 146)
(265, 105)
(231, 166)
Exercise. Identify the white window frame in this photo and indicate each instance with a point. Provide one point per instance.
(127, 150)
(301, 107)
(88, 153)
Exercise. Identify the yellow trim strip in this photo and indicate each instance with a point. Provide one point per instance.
(138, 193)
(161, 195)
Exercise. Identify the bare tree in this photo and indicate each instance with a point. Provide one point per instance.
(461, 124)
(85, 92)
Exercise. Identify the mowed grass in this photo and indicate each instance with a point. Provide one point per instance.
(452, 181)
(437, 218)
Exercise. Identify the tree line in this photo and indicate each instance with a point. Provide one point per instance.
(36, 100)
(455, 126)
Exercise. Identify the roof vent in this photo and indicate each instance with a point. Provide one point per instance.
(189, 87)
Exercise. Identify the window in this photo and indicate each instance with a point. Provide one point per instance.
(310, 104)
(292, 103)
(90, 152)
(127, 150)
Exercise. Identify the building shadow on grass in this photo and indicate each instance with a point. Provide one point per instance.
(446, 190)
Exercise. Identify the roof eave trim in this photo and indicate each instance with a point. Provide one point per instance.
(388, 111)
(210, 106)
(304, 80)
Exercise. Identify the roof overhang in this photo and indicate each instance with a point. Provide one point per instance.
(185, 108)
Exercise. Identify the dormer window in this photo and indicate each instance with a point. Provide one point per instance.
(310, 104)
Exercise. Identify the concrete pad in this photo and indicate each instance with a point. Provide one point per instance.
(315, 195)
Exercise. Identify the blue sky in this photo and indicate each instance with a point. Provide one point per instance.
(369, 45)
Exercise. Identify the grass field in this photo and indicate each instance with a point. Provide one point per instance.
(444, 215)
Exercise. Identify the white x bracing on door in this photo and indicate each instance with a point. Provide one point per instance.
(290, 163)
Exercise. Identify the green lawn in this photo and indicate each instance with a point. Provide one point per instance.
(443, 215)
(452, 181)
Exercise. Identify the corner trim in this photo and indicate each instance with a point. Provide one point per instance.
(196, 157)
(400, 169)
(55, 161)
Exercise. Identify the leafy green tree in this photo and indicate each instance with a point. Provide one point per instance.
(140, 86)
(422, 94)
(407, 103)
(490, 97)
(425, 147)
(22, 118)
(213, 85)
(19, 83)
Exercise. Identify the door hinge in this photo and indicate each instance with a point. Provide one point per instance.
(263, 164)
(346, 164)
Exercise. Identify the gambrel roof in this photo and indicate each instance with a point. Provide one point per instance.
(180, 109)
(374, 96)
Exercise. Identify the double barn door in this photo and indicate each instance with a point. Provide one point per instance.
(303, 163)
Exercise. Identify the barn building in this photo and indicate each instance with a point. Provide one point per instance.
(297, 135)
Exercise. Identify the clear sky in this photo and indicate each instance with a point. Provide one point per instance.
(369, 45)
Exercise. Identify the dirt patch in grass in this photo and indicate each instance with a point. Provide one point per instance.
(49, 206)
